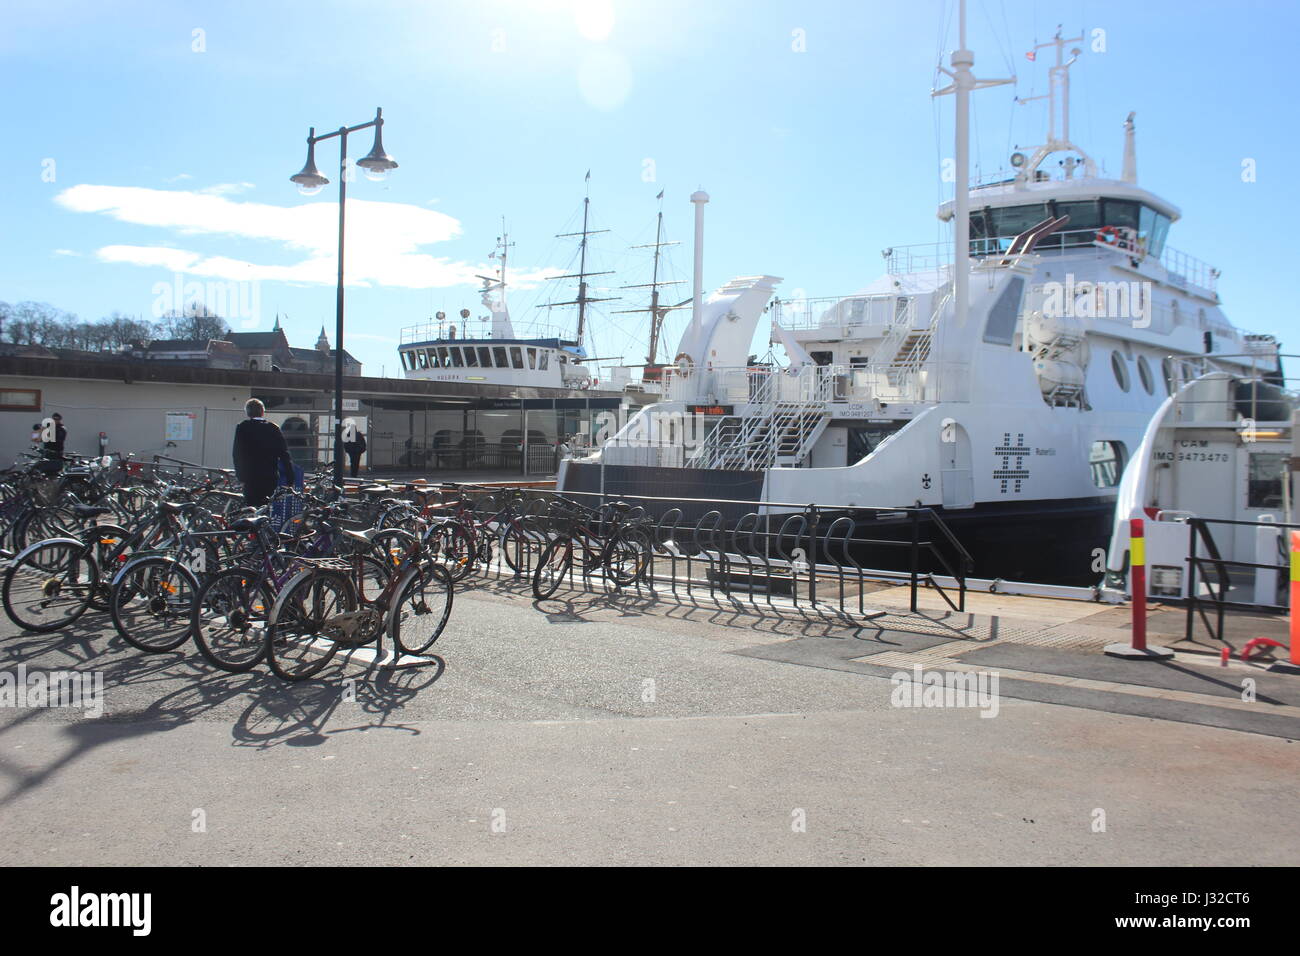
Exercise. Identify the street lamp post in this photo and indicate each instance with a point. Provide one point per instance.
(376, 164)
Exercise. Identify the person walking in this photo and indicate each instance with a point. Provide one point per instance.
(258, 451)
(354, 449)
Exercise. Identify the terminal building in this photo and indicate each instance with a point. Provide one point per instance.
(188, 409)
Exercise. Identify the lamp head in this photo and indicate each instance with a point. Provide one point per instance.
(377, 163)
(309, 180)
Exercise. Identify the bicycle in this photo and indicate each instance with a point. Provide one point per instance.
(622, 552)
(322, 609)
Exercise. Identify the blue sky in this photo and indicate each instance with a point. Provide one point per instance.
(167, 158)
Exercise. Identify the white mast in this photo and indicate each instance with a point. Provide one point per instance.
(494, 288)
(963, 81)
(1130, 174)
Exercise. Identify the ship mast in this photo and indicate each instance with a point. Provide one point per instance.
(657, 312)
(494, 287)
(583, 299)
(963, 82)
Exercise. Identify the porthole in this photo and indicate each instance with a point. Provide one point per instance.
(1106, 461)
(1120, 368)
(1144, 375)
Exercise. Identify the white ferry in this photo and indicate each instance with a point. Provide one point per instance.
(1004, 381)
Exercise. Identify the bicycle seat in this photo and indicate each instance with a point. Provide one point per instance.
(251, 523)
(361, 536)
(372, 490)
(89, 511)
(178, 507)
(620, 507)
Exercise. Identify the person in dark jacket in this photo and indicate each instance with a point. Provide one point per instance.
(259, 449)
(54, 449)
(354, 449)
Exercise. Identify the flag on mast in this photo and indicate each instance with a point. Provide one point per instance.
(588, 179)
(1031, 55)
(661, 195)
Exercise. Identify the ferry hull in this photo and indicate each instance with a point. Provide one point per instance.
(1044, 541)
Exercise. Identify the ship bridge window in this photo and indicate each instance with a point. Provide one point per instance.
(1152, 230)
(471, 357)
(499, 356)
(543, 360)
(484, 356)
(1106, 460)
(516, 357)
(532, 358)
(992, 229)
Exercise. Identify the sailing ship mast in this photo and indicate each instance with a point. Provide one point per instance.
(657, 312)
(583, 299)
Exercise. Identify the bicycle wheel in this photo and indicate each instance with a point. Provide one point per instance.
(50, 585)
(552, 566)
(230, 618)
(52, 521)
(453, 546)
(152, 604)
(421, 610)
(297, 645)
(517, 548)
(372, 578)
(628, 557)
(105, 541)
(390, 546)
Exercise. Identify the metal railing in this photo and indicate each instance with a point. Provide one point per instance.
(844, 312)
(1183, 269)
(448, 332)
(914, 378)
(1205, 560)
(769, 555)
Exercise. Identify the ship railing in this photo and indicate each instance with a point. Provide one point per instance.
(918, 378)
(1190, 272)
(844, 312)
(770, 557)
(1182, 269)
(450, 332)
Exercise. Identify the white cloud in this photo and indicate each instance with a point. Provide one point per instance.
(66, 252)
(226, 189)
(384, 239)
(179, 177)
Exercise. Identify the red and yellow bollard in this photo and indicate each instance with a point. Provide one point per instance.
(1138, 563)
(1137, 648)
